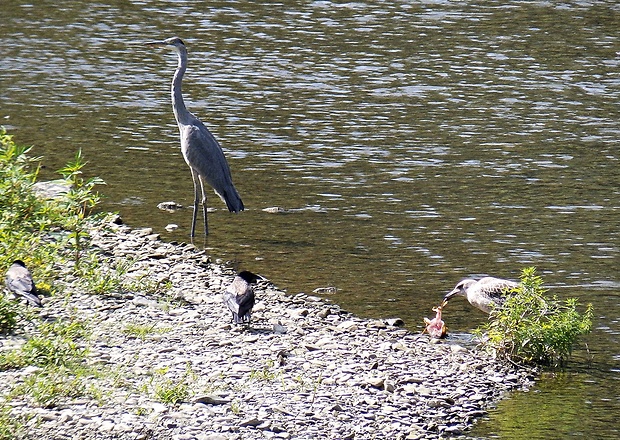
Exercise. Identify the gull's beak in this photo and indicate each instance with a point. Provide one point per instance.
(450, 295)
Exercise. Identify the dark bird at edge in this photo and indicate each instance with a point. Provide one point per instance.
(19, 281)
(239, 296)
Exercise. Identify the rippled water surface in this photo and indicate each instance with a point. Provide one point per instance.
(410, 143)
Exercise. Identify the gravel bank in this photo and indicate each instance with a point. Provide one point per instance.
(304, 370)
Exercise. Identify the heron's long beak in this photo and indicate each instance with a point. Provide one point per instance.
(155, 43)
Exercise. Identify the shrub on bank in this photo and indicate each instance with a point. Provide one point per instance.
(531, 328)
(32, 228)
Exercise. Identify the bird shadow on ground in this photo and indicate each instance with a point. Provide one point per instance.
(257, 330)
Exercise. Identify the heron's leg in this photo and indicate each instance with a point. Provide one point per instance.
(204, 205)
(197, 186)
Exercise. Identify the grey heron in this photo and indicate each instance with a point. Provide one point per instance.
(484, 294)
(200, 149)
(19, 281)
(239, 296)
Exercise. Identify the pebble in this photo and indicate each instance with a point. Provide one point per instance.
(304, 368)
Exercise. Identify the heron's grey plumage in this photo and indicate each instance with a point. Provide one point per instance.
(239, 296)
(484, 294)
(200, 149)
(20, 282)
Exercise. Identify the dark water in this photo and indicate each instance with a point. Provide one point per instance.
(411, 144)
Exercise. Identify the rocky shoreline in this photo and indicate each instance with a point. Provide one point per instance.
(305, 369)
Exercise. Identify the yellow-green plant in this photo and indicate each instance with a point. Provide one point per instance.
(8, 314)
(266, 373)
(532, 328)
(142, 331)
(79, 201)
(20, 206)
(10, 427)
(168, 390)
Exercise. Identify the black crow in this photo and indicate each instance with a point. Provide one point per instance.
(19, 281)
(239, 296)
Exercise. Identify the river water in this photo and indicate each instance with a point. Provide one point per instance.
(409, 143)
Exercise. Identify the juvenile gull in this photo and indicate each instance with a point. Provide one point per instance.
(239, 297)
(484, 294)
(19, 281)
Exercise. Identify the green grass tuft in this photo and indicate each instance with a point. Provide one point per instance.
(56, 345)
(9, 311)
(142, 331)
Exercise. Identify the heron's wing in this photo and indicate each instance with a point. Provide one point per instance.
(204, 154)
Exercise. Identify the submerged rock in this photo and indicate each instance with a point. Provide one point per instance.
(52, 189)
(170, 206)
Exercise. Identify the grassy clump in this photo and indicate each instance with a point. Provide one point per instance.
(171, 392)
(101, 279)
(39, 231)
(266, 373)
(58, 351)
(167, 390)
(57, 344)
(48, 387)
(51, 385)
(533, 329)
(142, 331)
(10, 427)
(9, 311)
(16, 182)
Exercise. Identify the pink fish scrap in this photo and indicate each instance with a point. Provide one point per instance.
(435, 327)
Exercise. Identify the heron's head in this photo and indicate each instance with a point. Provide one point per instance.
(174, 41)
(19, 263)
(459, 290)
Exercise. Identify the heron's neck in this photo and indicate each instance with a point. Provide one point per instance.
(178, 105)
